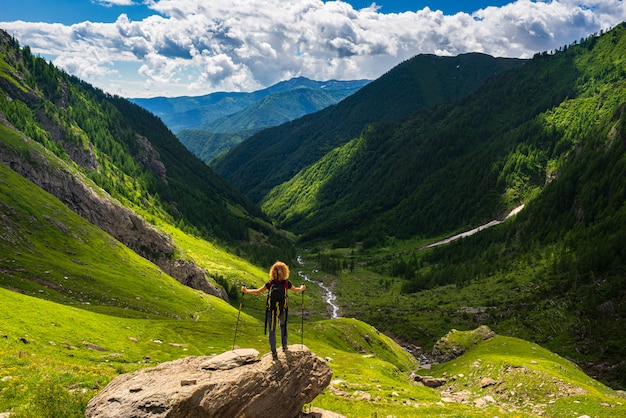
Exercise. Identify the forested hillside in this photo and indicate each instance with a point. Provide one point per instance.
(274, 155)
(550, 135)
(460, 164)
(125, 150)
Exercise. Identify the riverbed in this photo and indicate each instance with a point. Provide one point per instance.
(329, 296)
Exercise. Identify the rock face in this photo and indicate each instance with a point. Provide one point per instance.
(234, 384)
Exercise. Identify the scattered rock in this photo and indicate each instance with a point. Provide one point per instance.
(222, 387)
(459, 397)
(487, 381)
(360, 395)
(482, 402)
(94, 347)
(430, 381)
(318, 413)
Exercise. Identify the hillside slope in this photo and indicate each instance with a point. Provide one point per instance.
(274, 155)
(126, 151)
(463, 164)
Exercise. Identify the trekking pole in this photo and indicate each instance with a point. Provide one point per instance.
(302, 316)
(238, 315)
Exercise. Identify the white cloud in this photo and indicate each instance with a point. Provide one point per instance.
(109, 3)
(250, 44)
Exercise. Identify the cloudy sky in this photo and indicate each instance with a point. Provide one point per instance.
(146, 48)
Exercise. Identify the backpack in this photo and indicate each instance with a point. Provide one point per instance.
(276, 301)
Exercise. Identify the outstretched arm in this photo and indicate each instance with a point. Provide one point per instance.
(261, 289)
(299, 289)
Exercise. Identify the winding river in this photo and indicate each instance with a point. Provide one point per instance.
(329, 296)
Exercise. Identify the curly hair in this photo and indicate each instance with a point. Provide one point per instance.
(279, 271)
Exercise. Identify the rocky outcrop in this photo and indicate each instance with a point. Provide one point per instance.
(234, 384)
(455, 343)
(150, 158)
(102, 210)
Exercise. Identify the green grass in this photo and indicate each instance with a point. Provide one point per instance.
(48, 346)
(528, 378)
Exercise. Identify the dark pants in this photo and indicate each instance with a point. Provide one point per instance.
(272, 323)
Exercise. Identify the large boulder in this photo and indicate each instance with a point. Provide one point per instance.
(234, 384)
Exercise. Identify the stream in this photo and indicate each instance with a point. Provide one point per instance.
(329, 296)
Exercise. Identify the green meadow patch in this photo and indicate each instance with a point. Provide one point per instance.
(522, 376)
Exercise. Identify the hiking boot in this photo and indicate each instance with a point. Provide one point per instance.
(285, 348)
(274, 355)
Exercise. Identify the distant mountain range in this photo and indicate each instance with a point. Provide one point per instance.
(210, 125)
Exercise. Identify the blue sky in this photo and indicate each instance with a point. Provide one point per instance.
(75, 11)
(146, 48)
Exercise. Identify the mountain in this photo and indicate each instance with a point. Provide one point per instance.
(549, 135)
(199, 112)
(448, 167)
(218, 136)
(209, 145)
(439, 170)
(272, 156)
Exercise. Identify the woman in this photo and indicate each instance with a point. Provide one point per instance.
(277, 306)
